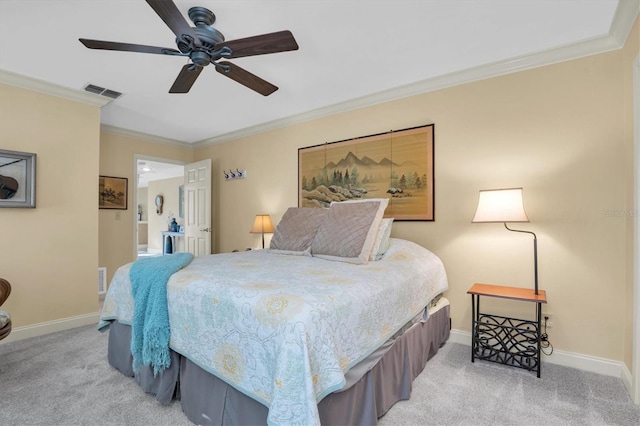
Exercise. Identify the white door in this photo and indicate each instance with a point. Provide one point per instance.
(197, 207)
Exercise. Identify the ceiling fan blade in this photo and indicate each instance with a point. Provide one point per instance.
(280, 41)
(186, 78)
(168, 11)
(127, 47)
(245, 78)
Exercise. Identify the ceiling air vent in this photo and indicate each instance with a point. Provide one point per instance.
(102, 91)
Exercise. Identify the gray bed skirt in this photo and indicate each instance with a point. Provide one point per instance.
(373, 386)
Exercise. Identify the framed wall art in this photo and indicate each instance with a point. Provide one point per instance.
(112, 192)
(397, 165)
(17, 179)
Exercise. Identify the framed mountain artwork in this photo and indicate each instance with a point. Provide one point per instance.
(397, 165)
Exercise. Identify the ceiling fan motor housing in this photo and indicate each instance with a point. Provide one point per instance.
(201, 58)
(203, 18)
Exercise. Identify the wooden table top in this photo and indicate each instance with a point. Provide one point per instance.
(505, 292)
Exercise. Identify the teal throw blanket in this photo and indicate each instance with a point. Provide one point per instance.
(150, 330)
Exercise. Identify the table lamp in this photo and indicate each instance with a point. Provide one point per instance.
(505, 205)
(262, 225)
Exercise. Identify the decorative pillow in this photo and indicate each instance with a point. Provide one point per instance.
(348, 230)
(295, 231)
(381, 244)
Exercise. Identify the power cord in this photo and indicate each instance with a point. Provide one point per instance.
(544, 339)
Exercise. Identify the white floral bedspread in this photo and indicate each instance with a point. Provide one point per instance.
(284, 329)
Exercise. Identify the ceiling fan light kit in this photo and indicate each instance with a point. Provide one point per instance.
(205, 45)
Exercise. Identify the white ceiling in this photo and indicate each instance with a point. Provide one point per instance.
(148, 171)
(352, 53)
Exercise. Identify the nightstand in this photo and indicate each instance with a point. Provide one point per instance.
(172, 236)
(510, 341)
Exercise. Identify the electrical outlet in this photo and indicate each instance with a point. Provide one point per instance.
(547, 320)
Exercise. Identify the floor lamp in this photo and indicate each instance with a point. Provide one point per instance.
(502, 206)
(262, 225)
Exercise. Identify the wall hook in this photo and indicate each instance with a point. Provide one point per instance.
(238, 174)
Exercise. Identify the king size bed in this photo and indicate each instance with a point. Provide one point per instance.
(289, 335)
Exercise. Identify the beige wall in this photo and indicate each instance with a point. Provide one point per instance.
(629, 54)
(558, 131)
(117, 152)
(50, 254)
(168, 188)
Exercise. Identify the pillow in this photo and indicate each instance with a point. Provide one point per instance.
(295, 231)
(381, 244)
(348, 230)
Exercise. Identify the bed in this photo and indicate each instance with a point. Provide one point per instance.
(293, 334)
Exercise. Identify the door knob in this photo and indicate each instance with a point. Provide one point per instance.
(206, 230)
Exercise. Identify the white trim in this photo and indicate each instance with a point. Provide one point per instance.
(634, 383)
(516, 64)
(143, 136)
(461, 337)
(567, 359)
(18, 80)
(627, 379)
(621, 25)
(623, 20)
(35, 330)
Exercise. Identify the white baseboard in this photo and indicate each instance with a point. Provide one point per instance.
(35, 330)
(627, 380)
(568, 359)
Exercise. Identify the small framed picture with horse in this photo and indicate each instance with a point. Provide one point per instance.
(17, 179)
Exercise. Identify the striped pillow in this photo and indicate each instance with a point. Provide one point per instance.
(296, 229)
(348, 230)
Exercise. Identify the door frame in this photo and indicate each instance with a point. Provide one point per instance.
(136, 158)
(635, 369)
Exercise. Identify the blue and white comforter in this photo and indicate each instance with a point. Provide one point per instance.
(284, 329)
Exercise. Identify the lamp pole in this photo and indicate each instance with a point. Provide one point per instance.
(535, 254)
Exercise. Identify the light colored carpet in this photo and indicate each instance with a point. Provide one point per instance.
(65, 379)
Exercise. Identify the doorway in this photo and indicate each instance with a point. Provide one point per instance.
(158, 202)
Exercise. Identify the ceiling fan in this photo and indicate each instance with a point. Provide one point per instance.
(205, 45)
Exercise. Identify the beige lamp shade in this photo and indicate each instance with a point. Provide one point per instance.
(262, 225)
(500, 205)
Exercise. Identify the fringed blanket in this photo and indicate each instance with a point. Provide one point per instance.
(150, 330)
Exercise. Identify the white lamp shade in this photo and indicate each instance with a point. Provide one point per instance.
(500, 205)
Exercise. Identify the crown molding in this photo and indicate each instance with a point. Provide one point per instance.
(143, 136)
(18, 80)
(516, 64)
(624, 18)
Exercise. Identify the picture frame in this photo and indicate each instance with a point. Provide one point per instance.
(113, 193)
(17, 179)
(398, 165)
